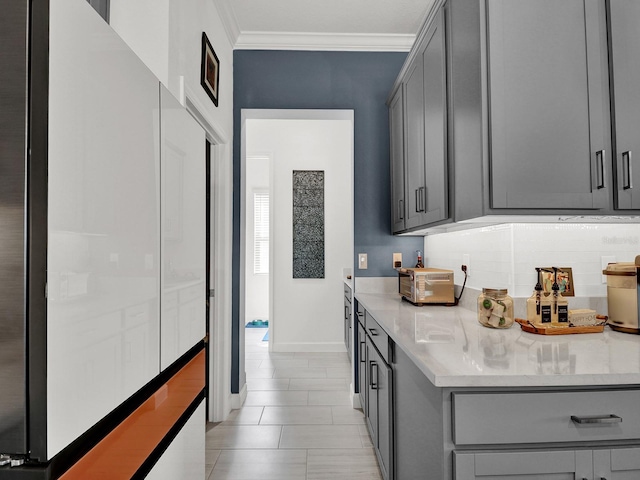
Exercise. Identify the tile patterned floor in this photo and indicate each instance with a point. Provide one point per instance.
(296, 424)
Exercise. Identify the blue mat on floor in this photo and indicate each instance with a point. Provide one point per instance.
(258, 324)
(266, 337)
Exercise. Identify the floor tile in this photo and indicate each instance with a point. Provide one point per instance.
(338, 384)
(300, 373)
(210, 456)
(252, 364)
(330, 362)
(276, 398)
(261, 465)
(260, 373)
(303, 415)
(329, 398)
(347, 416)
(244, 416)
(267, 384)
(323, 355)
(285, 363)
(339, 372)
(224, 437)
(334, 464)
(320, 436)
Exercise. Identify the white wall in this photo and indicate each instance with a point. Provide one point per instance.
(305, 315)
(256, 285)
(506, 255)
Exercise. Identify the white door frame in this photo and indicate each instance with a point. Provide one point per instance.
(219, 394)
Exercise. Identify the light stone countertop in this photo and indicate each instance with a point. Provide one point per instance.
(453, 350)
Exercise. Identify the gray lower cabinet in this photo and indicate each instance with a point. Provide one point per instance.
(624, 35)
(348, 327)
(548, 94)
(607, 464)
(488, 433)
(376, 387)
(362, 367)
(379, 400)
(541, 465)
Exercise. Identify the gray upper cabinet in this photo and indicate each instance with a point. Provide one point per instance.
(435, 122)
(526, 108)
(548, 100)
(414, 135)
(396, 123)
(625, 41)
(418, 125)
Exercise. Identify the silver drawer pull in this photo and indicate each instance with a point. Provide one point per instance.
(374, 332)
(596, 419)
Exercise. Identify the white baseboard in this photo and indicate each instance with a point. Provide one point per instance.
(237, 399)
(327, 347)
(355, 398)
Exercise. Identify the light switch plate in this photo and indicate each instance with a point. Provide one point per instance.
(362, 261)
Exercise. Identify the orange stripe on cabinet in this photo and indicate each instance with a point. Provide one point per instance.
(123, 451)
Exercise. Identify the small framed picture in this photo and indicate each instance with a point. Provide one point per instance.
(209, 70)
(564, 279)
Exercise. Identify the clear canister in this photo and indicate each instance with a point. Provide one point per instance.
(495, 308)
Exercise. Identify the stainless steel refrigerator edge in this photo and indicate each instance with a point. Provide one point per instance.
(13, 142)
(23, 226)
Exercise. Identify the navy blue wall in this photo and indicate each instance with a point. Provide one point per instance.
(360, 81)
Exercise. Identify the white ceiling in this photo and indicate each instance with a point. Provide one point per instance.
(379, 25)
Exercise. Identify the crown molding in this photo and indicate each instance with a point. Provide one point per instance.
(229, 20)
(324, 41)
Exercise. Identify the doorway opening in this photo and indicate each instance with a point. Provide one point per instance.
(303, 314)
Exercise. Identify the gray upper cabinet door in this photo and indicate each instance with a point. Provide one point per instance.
(625, 51)
(425, 130)
(396, 125)
(548, 99)
(435, 121)
(414, 137)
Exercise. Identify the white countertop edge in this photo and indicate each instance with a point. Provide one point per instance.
(438, 375)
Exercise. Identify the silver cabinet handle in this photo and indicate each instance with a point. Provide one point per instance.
(362, 353)
(401, 209)
(417, 199)
(628, 181)
(374, 332)
(591, 419)
(374, 384)
(600, 159)
(423, 199)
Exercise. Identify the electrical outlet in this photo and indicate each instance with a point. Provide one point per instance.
(397, 260)
(362, 261)
(466, 260)
(604, 261)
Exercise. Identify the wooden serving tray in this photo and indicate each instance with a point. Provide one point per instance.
(555, 330)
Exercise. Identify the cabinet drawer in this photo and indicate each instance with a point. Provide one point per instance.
(544, 417)
(360, 314)
(347, 292)
(378, 336)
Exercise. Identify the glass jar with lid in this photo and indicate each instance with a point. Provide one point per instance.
(495, 308)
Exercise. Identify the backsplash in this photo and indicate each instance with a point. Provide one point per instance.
(505, 256)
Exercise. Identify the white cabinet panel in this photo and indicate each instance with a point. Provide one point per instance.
(183, 230)
(103, 253)
(185, 457)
